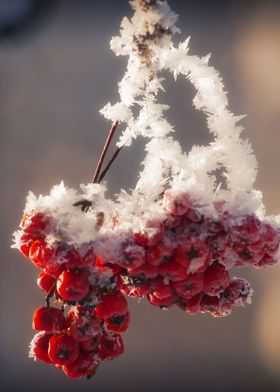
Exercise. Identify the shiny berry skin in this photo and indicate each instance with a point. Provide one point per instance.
(73, 285)
(84, 365)
(162, 302)
(40, 254)
(35, 222)
(83, 328)
(63, 349)
(161, 289)
(216, 279)
(113, 304)
(39, 346)
(139, 291)
(111, 346)
(118, 323)
(48, 319)
(190, 286)
(46, 281)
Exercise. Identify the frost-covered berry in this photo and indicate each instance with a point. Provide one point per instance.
(111, 346)
(190, 286)
(82, 327)
(73, 285)
(216, 279)
(63, 349)
(48, 319)
(161, 288)
(239, 292)
(84, 365)
(39, 346)
(91, 344)
(172, 270)
(112, 304)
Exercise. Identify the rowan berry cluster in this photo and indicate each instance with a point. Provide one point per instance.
(182, 259)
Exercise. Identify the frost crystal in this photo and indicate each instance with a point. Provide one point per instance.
(146, 39)
(175, 236)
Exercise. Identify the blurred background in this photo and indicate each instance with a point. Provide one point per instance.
(56, 72)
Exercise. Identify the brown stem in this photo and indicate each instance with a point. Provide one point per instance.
(104, 151)
(116, 153)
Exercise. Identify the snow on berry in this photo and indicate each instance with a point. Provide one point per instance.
(174, 238)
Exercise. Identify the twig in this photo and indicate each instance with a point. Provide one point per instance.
(104, 151)
(116, 153)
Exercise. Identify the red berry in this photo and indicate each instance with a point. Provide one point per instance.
(247, 229)
(133, 255)
(161, 289)
(155, 254)
(35, 222)
(113, 304)
(84, 365)
(91, 344)
(152, 234)
(82, 328)
(48, 319)
(147, 270)
(139, 291)
(40, 254)
(111, 346)
(46, 281)
(266, 261)
(63, 349)
(190, 286)
(176, 205)
(73, 285)
(172, 270)
(39, 346)
(196, 254)
(216, 279)
(162, 302)
(218, 307)
(193, 305)
(105, 266)
(238, 292)
(118, 323)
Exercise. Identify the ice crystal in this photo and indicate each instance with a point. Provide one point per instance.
(146, 39)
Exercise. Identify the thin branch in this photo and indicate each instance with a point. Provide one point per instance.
(104, 151)
(116, 153)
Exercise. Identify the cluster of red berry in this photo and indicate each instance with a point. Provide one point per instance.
(181, 259)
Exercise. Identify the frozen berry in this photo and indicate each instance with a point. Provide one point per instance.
(84, 365)
(82, 328)
(190, 286)
(39, 346)
(63, 349)
(216, 279)
(113, 304)
(111, 346)
(73, 285)
(48, 319)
